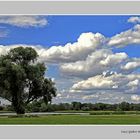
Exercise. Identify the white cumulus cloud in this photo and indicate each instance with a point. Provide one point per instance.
(134, 19)
(131, 36)
(24, 21)
(96, 63)
(135, 98)
(86, 43)
(126, 83)
(132, 65)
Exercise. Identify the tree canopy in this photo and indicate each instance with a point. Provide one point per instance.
(22, 78)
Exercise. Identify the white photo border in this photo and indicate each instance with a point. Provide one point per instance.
(66, 7)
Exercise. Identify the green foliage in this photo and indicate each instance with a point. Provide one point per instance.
(43, 107)
(124, 106)
(23, 79)
(76, 105)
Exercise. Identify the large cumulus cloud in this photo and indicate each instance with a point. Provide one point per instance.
(96, 63)
(86, 43)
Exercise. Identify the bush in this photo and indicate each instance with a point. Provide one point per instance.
(107, 113)
(85, 108)
(43, 107)
(119, 112)
(1, 108)
(8, 108)
(101, 113)
(50, 108)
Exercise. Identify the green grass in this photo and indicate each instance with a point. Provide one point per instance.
(74, 119)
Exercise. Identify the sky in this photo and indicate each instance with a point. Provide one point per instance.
(90, 58)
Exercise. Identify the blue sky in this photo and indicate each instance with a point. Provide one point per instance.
(49, 31)
(63, 29)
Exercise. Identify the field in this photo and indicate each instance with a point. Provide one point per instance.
(73, 119)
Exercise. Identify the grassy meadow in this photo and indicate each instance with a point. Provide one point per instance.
(97, 117)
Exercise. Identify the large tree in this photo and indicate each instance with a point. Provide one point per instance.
(22, 78)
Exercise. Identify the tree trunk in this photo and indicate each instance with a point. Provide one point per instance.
(18, 104)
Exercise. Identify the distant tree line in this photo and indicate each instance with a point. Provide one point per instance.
(40, 106)
(78, 106)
